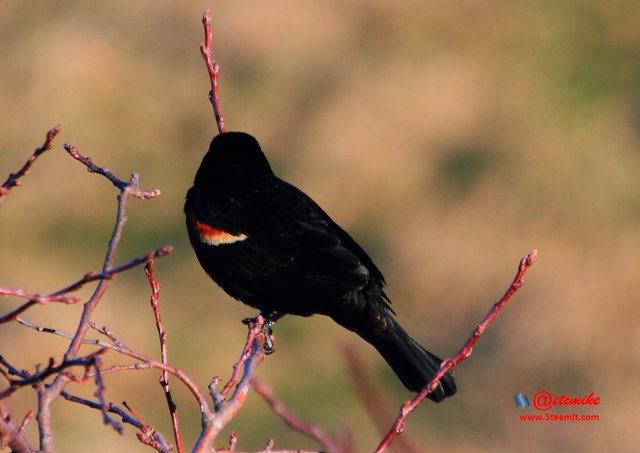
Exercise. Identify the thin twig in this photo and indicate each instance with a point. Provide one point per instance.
(14, 178)
(214, 72)
(145, 362)
(13, 438)
(226, 410)
(25, 421)
(38, 298)
(246, 354)
(58, 296)
(100, 390)
(233, 441)
(132, 186)
(51, 370)
(62, 333)
(465, 352)
(162, 337)
(48, 394)
(149, 362)
(124, 416)
(309, 429)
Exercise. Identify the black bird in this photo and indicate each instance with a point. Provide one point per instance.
(269, 245)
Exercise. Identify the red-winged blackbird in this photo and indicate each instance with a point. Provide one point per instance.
(272, 247)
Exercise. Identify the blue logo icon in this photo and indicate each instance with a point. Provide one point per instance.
(521, 400)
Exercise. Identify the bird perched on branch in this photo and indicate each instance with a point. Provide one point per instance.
(269, 245)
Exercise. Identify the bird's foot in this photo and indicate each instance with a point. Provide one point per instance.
(269, 343)
(270, 319)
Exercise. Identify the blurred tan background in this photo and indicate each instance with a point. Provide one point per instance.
(448, 138)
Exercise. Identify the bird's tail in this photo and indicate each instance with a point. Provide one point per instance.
(414, 365)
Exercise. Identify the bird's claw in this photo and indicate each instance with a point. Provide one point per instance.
(267, 331)
(269, 343)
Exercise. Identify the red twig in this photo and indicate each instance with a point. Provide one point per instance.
(227, 409)
(233, 441)
(246, 353)
(37, 298)
(465, 352)
(14, 178)
(162, 337)
(58, 296)
(309, 429)
(146, 434)
(108, 274)
(215, 395)
(269, 445)
(214, 71)
(25, 421)
(12, 436)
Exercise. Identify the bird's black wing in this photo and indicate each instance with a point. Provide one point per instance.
(300, 264)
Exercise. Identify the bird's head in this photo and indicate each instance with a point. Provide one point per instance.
(232, 154)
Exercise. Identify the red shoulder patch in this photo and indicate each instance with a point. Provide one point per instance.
(213, 236)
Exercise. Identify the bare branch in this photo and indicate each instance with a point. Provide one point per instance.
(253, 354)
(25, 421)
(309, 429)
(100, 389)
(148, 362)
(145, 362)
(162, 336)
(160, 443)
(246, 354)
(58, 296)
(12, 436)
(214, 72)
(37, 298)
(51, 370)
(61, 333)
(47, 395)
(465, 352)
(131, 185)
(14, 178)
(233, 441)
